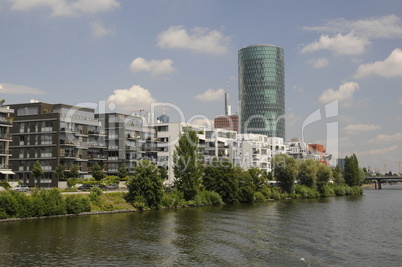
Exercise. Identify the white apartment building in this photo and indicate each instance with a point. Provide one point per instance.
(5, 139)
(296, 148)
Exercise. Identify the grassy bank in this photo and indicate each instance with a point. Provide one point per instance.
(42, 203)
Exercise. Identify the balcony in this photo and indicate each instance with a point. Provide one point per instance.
(96, 157)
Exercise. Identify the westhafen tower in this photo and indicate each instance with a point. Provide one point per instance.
(262, 90)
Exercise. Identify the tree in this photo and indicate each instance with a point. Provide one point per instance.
(97, 172)
(220, 178)
(187, 165)
(59, 172)
(37, 170)
(163, 173)
(259, 178)
(308, 173)
(337, 174)
(351, 171)
(74, 170)
(146, 185)
(122, 172)
(285, 171)
(324, 173)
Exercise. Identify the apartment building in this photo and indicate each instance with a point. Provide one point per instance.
(128, 139)
(51, 134)
(6, 123)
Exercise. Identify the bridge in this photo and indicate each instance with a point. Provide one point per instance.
(379, 179)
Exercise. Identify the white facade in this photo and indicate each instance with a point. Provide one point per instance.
(253, 150)
(5, 139)
(297, 149)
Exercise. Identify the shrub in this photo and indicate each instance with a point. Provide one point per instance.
(339, 191)
(95, 194)
(206, 197)
(48, 203)
(326, 191)
(173, 199)
(77, 203)
(259, 197)
(5, 185)
(8, 205)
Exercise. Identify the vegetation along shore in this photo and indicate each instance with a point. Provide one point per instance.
(216, 183)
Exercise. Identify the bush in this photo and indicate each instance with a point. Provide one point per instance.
(8, 205)
(77, 203)
(5, 185)
(339, 191)
(48, 203)
(206, 197)
(95, 194)
(259, 197)
(326, 191)
(173, 199)
(306, 192)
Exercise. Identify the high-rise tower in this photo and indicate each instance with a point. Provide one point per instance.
(262, 90)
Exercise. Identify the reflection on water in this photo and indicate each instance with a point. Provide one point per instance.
(363, 231)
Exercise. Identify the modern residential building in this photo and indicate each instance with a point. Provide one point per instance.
(297, 148)
(253, 151)
(262, 90)
(51, 134)
(6, 122)
(128, 139)
(167, 137)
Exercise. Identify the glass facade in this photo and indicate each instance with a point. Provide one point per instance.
(262, 90)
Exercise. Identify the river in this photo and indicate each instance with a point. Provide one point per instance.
(338, 231)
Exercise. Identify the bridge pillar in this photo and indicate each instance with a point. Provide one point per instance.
(375, 184)
(378, 184)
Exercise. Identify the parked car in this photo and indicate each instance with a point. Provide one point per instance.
(85, 187)
(112, 187)
(21, 188)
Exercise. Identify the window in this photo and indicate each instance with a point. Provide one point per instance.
(24, 111)
(46, 126)
(46, 139)
(22, 140)
(46, 152)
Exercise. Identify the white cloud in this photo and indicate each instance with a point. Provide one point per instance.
(381, 151)
(132, 99)
(383, 138)
(390, 67)
(211, 95)
(155, 67)
(99, 30)
(400, 101)
(14, 89)
(375, 27)
(319, 62)
(66, 7)
(359, 128)
(344, 94)
(298, 89)
(339, 44)
(200, 40)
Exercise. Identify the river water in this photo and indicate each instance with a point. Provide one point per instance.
(339, 231)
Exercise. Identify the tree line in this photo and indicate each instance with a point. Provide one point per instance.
(219, 180)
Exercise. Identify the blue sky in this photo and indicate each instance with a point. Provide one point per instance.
(133, 53)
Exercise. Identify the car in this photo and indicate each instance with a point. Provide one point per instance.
(85, 187)
(112, 187)
(21, 188)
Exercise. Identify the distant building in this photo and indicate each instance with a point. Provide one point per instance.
(229, 122)
(262, 90)
(163, 119)
(6, 123)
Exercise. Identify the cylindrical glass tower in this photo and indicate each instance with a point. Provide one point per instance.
(262, 90)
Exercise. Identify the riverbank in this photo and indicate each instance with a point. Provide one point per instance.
(53, 203)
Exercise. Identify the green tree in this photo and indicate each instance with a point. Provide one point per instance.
(324, 173)
(97, 172)
(187, 165)
(122, 172)
(74, 170)
(146, 185)
(308, 173)
(259, 178)
(351, 171)
(285, 171)
(246, 184)
(220, 178)
(337, 174)
(163, 173)
(37, 170)
(59, 172)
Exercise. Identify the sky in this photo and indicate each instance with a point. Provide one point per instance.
(343, 62)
